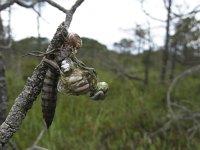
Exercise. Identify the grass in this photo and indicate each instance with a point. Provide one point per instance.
(123, 121)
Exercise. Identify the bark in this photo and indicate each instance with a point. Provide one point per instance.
(166, 48)
(3, 92)
(22, 104)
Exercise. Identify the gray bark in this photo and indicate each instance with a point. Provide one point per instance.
(22, 104)
(3, 92)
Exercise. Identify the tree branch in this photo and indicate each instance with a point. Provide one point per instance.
(76, 5)
(147, 14)
(184, 114)
(120, 71)
(19, 2)
(70, 13)
(194, 11)
(23, 4)
(7, 4)
(179, 77)
(22, 104)
(52, 3)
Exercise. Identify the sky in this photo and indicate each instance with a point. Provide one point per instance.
(103, 20)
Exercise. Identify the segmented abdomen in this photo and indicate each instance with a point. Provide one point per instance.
(49, 97)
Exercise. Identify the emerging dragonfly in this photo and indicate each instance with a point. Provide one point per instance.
(75, 79)
(78, 79)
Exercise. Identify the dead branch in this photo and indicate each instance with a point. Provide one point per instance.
(175, 81)
(194, 11)
(164, 128)
(165, 4)
(148, 14)
(24, 4)
(34, 84)
(52, 3)
(123, 73)
(8, 40)
(22, 104)
(120, 70)
(19, 2)
(31, 5)
(70, 13)
(7, 4)
(185, 113)
(34, 146)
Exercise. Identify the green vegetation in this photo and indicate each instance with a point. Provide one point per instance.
(127, 119)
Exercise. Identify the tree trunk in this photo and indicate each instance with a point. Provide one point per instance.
(146, 67)
(166, 48)
(3, 90)
(173, 64)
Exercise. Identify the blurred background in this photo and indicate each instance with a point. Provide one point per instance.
(146, 50)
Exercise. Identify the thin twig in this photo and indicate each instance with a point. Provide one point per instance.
(40, 136)
(76, 5)
(23, 4)
(54, 4)
(165, 127)
(7, 4)
(194, 11)
(70, 13)
(186, 114)
(174, 82)
(40, 15)
(148, 14)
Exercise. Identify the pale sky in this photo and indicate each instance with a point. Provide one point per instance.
(103, 20)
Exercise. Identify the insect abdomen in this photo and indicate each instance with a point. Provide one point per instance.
(49, 97)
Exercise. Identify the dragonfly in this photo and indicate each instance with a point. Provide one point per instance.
(69, 76)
